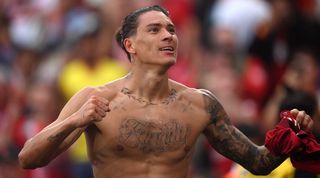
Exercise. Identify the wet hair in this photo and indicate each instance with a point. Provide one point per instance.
(130, 23)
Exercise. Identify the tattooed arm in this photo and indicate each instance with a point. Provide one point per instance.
(77, 114)
(233, 144)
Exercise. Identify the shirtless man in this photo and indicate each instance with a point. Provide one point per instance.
(146, 125)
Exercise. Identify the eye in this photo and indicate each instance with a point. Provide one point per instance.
(172, 30)
(154, 30)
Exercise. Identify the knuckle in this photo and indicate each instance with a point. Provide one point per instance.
(92, 98)
(91, 112)
(311, 122)
(301, 114)
(92, 105)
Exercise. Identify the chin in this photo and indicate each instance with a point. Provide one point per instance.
(170, 61)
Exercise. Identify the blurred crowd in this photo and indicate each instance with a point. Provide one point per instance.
(257, 56)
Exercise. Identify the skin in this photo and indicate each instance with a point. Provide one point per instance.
(144, 124)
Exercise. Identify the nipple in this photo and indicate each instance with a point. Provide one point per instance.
(120, 148)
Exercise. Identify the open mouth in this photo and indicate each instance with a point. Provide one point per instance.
(167, 48)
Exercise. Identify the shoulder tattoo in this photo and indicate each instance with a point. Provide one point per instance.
(213, 107)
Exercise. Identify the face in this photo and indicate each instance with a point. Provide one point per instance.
(155, 41)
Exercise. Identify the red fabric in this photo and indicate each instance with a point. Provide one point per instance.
(255, 79)
(287, 139)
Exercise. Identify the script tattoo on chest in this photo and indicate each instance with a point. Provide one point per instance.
(150, 137)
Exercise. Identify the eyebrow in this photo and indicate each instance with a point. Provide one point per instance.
(159, 24)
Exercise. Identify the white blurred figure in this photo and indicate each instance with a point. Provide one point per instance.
(27, 26)
(235, 21)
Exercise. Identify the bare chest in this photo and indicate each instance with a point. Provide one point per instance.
(141, 132)
(153, 136)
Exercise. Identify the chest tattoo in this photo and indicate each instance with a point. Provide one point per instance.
(150, 137)
(170, 99)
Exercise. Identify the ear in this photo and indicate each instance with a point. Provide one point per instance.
(128, 44)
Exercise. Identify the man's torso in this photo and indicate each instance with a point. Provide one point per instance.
(139, 139)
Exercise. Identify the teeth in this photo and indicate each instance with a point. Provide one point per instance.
(167, 49)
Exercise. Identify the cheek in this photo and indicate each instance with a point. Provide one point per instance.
(177, 40)
(145, 47)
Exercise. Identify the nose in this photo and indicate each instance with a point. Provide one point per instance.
(167, 36)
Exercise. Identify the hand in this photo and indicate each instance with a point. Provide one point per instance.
(303, 119)
(94, 110)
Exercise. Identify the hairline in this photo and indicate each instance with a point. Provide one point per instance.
(139, 21)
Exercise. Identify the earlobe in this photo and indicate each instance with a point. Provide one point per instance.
(129, 45)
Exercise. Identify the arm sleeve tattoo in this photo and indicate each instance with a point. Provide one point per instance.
(232, 143)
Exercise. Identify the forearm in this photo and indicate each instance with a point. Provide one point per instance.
(256, 159)
(232, 143)
(39, 150)
(260, 161)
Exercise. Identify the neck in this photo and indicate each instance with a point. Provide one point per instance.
(147, 84)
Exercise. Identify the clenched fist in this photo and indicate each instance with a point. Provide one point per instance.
(303, 119)
(94, 110)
